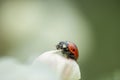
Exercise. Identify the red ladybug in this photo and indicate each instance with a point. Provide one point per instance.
(68, 48)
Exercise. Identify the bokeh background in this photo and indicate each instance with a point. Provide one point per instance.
(29, 28)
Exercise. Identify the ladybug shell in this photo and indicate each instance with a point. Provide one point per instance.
(73, 49)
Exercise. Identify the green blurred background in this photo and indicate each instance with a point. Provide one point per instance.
(104, 15)
(29, 28)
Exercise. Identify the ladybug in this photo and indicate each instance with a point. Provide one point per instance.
(69, 49)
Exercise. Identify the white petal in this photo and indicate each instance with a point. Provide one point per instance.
(67, 69)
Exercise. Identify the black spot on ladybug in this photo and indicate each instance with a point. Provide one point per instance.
(73, 49)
